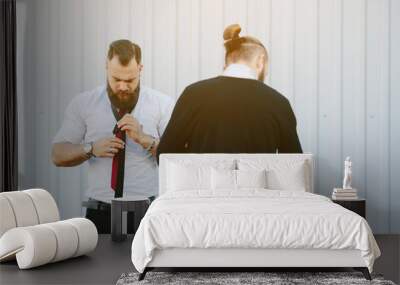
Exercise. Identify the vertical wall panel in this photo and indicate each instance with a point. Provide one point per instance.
(100, 40)
(26, 80)
(394, 119)
(42, 90)
(138, 30)
(377, 112)
(187, 49)
(91, 63)
(305, 73)
(21, 42)
(329, 155)
(137, 27)
(53, 98)
(92, 67)
(211, 40)
(256, 10)
(235, 12)
(353, 80)
(164, 64)
(117, 27)
(336, 61)
(71, 59)
(282, 48)
(141, 17)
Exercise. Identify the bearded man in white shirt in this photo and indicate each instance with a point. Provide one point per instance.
(116, 129)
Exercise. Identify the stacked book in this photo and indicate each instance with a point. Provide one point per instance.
(344, 194)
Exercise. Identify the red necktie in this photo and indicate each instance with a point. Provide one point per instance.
(118, 164)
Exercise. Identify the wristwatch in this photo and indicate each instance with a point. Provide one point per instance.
(88, 149)
(151, 146)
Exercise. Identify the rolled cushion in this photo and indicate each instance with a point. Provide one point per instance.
(87, 235)
(67, 240)
(7, 218)
(46, 207)
(40, 244)
(32, 246)
(23, 208)
(26, 208)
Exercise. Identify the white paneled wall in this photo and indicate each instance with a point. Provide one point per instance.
(337, 61)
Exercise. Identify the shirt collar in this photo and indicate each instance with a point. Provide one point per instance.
(240, 70)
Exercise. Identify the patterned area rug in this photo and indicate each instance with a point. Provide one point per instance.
(230, 278)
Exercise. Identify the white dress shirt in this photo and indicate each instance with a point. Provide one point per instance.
(89, 117)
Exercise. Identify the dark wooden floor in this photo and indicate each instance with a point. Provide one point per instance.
(110, 260)
(389, 262)
(102, 266)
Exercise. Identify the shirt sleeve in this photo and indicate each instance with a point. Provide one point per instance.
(73, 127)
(289, 140)
(166, 108)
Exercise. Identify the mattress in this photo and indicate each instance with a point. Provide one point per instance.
(251, 219)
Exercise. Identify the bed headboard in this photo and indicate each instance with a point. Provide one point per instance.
(193, 157)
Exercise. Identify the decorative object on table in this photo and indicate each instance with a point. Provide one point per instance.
(136, 204)
(347, 174)
(357, 206)
(243, 278)
(347, 192)
(31, 232)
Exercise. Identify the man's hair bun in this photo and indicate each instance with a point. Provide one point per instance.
(232, 32)
(237, 46)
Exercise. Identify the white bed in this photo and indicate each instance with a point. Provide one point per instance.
(215, 224)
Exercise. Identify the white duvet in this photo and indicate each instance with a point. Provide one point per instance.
(251, 218)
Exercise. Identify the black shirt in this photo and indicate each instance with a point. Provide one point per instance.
(231, 115)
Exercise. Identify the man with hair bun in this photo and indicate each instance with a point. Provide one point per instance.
(116, 129)
(235, 112)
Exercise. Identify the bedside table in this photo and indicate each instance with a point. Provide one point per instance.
(357, 206)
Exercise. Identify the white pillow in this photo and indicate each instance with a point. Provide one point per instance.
(188, 177)
(187, 174)
(237, 179)
(223, 179)
(251, 178)
(288, 178)
(281, 175)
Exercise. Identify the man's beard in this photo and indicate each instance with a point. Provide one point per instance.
(127, 103)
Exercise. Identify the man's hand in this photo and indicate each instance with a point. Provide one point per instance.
(107, 147)
(132, 127)
(135, 132)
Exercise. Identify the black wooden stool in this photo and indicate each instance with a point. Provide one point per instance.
(136, 204)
